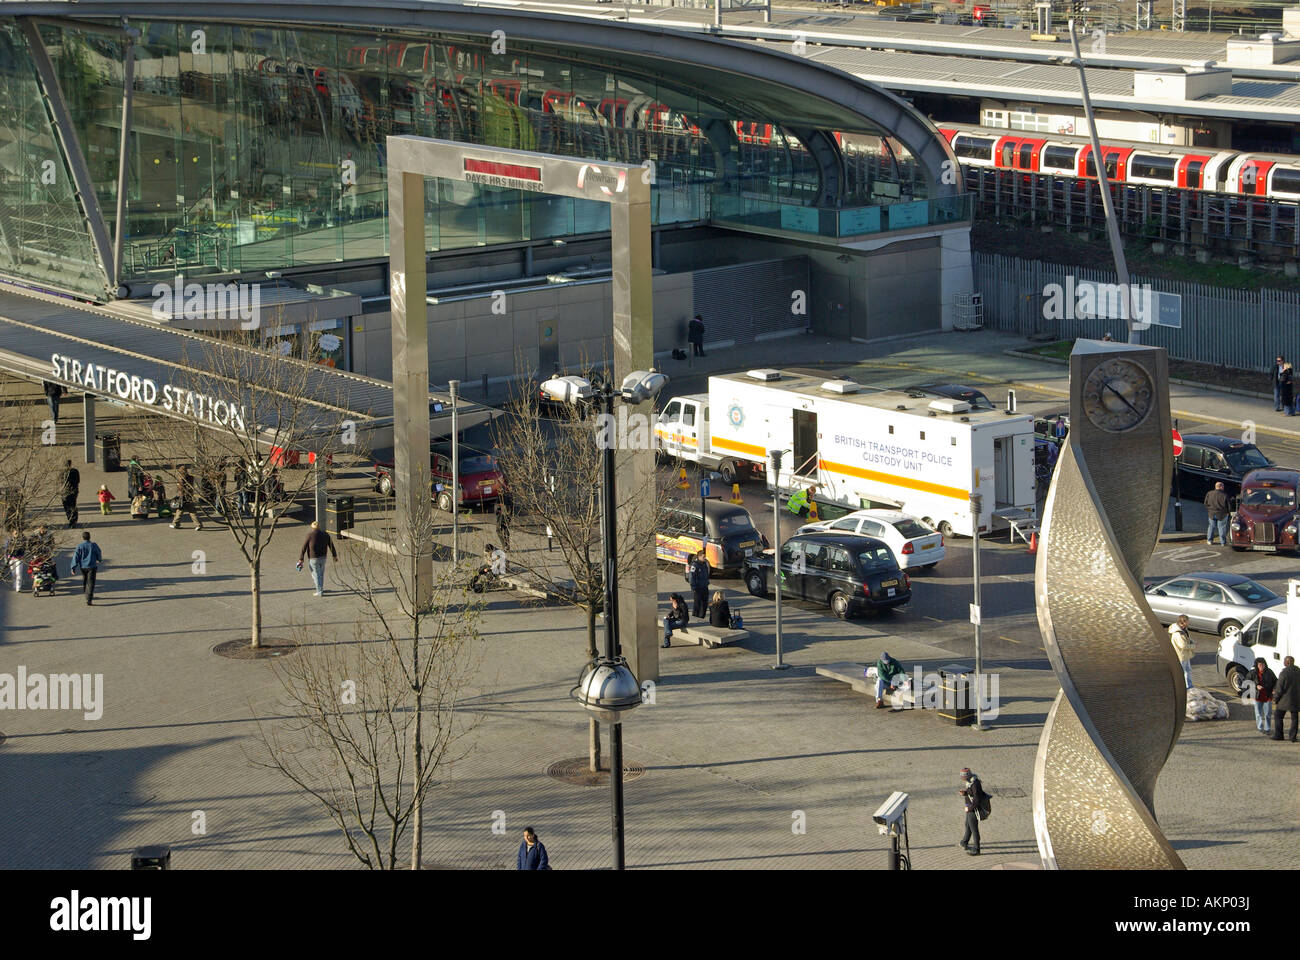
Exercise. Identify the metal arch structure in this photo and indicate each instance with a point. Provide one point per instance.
(1122, 701)
(412, 160)
(826, 95)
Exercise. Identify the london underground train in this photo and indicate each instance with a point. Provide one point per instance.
(1210, 169)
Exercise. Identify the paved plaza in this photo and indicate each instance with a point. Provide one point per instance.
(737, 756)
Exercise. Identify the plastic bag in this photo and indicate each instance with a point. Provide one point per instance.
(1203, 705)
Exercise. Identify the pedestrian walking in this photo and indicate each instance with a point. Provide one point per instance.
(697, 577)
(677, 619)
(1263, 681)
(889, 674)
(695, 335)
(71, 490)
(1180, 636)
(241, 486)
(1288, 390)
(85, 561)
(185, 500)
(977, 805)
(1276, 375)
(106, 499)
(532, 854)
(158, 490)
(1286, 698)
(315, 548)
(52, 394)
(134, 479)
(1216, 509)
(503, 525)
(15, 551)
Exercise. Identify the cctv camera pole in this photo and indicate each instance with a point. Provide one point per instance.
(454, 387)
(608, 517)
(1107, 206)
(976, 615)
(776, 553)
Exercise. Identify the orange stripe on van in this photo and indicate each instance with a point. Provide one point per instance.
(924, 486)
(750, 448)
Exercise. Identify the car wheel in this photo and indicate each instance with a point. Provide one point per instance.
(444, 502)
(1237, 677)
(728, 471)
(839, 605)
(946, 529)
(386, 485)
(1229, 627)
(756, 583)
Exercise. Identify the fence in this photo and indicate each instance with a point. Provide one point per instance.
(1244, 329)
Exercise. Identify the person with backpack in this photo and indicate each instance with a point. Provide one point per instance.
(977, 807)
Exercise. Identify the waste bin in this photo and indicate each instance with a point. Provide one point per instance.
(108, 450)
(152, 858)
(957, 704)
(338, 514)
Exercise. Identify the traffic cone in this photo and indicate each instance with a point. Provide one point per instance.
(1033, 542)
(735, 493)
(812, 510)
(681, 480)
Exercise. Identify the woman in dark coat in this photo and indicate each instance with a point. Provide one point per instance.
(719, 611)
(1287, 387)
(532, 855)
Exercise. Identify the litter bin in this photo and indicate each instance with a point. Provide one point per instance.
(109, 451)
(338, 514)
(957, 705)
(152, 858)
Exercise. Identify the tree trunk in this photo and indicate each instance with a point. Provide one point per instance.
(593, 729)
(255, 578)
(417, 821)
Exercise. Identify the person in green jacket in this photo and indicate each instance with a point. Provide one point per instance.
(889, 674)
(799, 500)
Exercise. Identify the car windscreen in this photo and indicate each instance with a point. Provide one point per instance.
(736, 522)
(1268, 497)
(911, 529)
(1253, 592)
(1243, 458)
(875, 559)
(481, 463)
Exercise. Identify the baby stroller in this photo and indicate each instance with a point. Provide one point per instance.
(45, 577)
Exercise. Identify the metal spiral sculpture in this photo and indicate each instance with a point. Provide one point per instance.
(1121, 705)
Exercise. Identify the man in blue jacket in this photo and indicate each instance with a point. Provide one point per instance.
(86, 561)
(697, 577)
(532, 855)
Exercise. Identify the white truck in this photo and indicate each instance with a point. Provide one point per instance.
(862, 447)
(1273, 634)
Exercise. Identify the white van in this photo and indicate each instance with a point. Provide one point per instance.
(1271, 634)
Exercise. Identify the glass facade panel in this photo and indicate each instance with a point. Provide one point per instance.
(257, 148)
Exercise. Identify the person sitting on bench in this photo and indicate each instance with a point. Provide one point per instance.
(889, 675)
(678, 616)
(719, 611)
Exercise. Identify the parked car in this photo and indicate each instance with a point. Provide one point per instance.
(848, 572)
(725, 531)
(1266, 512)
(951, 391)
(914, 543)
(1208, 458)
(481, 481)
(1214, 602)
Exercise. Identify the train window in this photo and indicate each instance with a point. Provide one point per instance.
(1008, 151)
(1194, 174)
(1152, 168)
(1286, 180)
(1059, 158)
(972, 148)
(1112, 165)
(1026, 156)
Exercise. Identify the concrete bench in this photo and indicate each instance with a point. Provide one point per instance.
(512, 581)
(708, 636)
(854, 675)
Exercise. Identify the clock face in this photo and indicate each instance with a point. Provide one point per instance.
(1118, 395)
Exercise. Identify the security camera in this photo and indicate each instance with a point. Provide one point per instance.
(642, 385)
(891, 811)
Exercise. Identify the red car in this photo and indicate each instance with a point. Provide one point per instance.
(1266, 517)
(481, 482)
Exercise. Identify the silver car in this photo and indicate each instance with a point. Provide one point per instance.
(1213, 602)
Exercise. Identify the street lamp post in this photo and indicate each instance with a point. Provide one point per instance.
(976, 614)
(776, 553)
(607, 687)
(453, 387)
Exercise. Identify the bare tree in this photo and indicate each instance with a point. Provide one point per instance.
(376, 721)
(31, 475)
(247, 410)
(554, 468)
